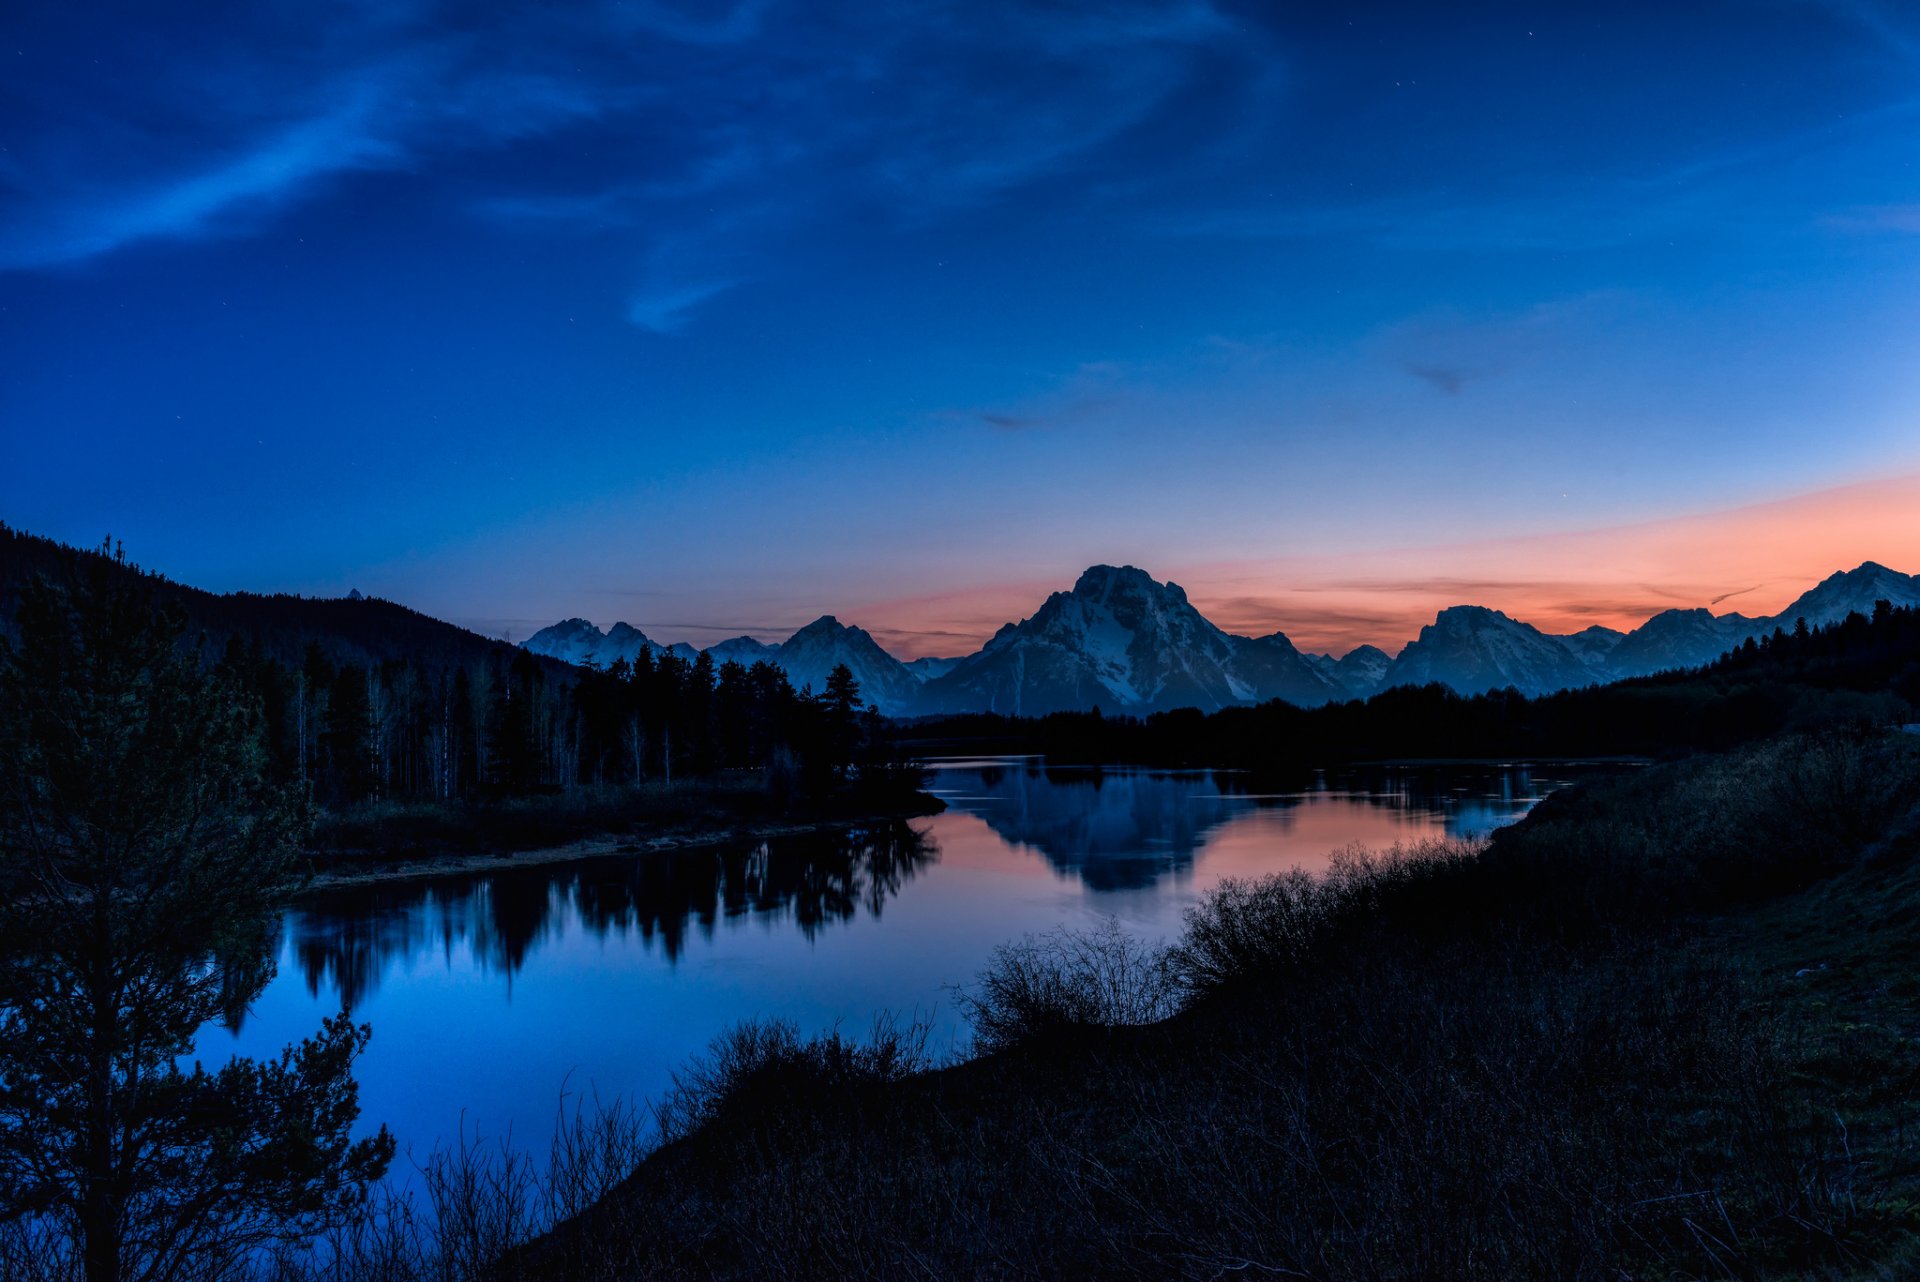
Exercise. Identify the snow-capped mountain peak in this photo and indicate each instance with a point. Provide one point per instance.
(745, 651)
(1849, 591)
(1121, 640)
(578, 641)
(928, 667)
(811, 654)
(1359, 673)
(1474, 649)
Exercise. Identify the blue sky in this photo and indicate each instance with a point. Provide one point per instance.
(717, 317)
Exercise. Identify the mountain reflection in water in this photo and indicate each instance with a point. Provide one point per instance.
(1125, 828)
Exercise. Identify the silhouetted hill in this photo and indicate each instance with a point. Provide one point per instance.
(349, 630)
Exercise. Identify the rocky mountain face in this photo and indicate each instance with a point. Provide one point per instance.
(744, 651)
(577, 641)
(1358, 673)
(1679, 639)
(1595, 645)
(1839, 595)
(928, 668)
(807, 656)
(1121, 641)
(813, 652)
(1472, 653)
(1472, 649)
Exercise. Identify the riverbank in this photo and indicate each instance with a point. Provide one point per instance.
(1664, 1027)
(367, 870)
(404, 843)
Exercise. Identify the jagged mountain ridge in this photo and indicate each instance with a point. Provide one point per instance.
(1473, 649)
(807, 656)
(1358, 673)
(578, 641)
(810, 654)
(1122, 641)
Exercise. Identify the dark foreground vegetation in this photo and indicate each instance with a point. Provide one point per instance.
(1860, 670)
(1663, 1028)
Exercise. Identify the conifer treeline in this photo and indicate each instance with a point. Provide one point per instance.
(412, 731)
(369, 700)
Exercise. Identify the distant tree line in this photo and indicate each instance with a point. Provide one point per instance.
(1858, 671)
(406, 730)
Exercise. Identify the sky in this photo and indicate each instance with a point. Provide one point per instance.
(714, 318)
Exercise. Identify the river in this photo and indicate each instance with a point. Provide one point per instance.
(491, 993)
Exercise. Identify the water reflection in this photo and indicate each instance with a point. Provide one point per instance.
(344, 941)
(1126, 828)
(486, 992)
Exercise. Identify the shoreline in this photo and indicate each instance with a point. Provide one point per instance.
(344, 872)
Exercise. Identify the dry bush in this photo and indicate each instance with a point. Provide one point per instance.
(1269, 925)
(765, 1062)
(1096, 978)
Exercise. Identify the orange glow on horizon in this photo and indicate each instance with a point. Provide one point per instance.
(1754, 560)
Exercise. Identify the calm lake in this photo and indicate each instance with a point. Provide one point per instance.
(489, 994)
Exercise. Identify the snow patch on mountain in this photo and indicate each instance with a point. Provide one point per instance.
(810, 654)
(1360, 673)
(1849, 592)
(927, 668)
(578, 641)
(1122, 641)
(745, 651)
(1474, 649)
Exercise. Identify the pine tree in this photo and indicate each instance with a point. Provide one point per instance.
(144, 852)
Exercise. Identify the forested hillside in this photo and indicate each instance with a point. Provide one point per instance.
(370, 701)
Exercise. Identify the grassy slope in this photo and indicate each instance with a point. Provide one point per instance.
(1589, 1054)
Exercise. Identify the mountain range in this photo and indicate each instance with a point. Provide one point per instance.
(1124, 642)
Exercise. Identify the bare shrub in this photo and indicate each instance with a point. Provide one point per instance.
(1099, 978)
(1840, 789)
(484, 1200)
(596, 1146)
(479, 1202)
(765, 1062)
(1251, 927)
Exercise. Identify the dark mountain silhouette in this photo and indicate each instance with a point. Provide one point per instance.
(353, 629)
(1120, 640)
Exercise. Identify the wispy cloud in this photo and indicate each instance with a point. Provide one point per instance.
(380, 109)
(273, 170)
(710, 137)
(666, 311)
(1449, 351)
(1445, 378)
(732, 24)
(1901, 219)
(1090, 391)
(1878, 21)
